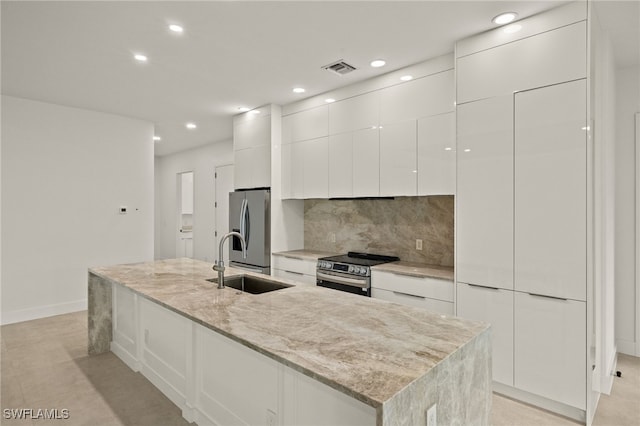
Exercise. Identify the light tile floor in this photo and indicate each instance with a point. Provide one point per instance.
(45, 365)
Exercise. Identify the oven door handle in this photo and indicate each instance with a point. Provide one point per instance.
(341, 280)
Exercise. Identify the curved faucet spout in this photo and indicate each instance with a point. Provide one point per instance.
(219, 266)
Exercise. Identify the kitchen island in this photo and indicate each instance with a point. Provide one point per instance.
(363, 360)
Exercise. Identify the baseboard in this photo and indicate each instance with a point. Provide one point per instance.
(20, 315)
(628, 347)
(175, 396)
(541, 402)
(125, 356)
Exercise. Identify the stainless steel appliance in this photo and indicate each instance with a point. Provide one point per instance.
(249, 215)
(350, 272)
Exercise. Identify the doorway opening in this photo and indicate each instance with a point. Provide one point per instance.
(184, 215)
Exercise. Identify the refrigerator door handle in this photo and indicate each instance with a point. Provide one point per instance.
(242, 209)
(247, 226)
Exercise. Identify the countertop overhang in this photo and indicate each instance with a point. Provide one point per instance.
(367, 348)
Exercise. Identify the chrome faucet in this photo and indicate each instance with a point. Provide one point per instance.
(219, 266)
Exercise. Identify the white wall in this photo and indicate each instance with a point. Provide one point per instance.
(627, 104)
(202, 162)
(65, 173)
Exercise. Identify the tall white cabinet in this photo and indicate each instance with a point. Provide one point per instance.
(521, 237)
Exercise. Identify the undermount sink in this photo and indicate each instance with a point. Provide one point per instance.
(250, 284)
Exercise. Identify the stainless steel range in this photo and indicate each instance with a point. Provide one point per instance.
(349, 272)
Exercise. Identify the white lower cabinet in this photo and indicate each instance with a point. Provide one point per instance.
(494, 306)
(218, 381)
(234, 385)
(296, 269)
(165, 345)
(409, 299)
(432, 294)
(550, 341)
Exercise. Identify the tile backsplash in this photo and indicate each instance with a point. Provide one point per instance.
(383, 226)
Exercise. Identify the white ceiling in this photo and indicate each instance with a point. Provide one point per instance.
(232, 53)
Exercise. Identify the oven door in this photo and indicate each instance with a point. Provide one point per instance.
(343, 282)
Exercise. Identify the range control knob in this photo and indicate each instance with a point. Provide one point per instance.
(352, 269)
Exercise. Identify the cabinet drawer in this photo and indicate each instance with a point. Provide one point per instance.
(291, 264)
(432, 288)
(295, 276)
(406, 299)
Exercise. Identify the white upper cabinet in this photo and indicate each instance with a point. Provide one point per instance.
(548, 58)
(310, 124)
(437, 154)
(485, 193)
(316, 168)
(359, 112)
(430, 95)
(251, 168)
(551, 190)
(297, 170)
(254, 130)
(366, 163)
(341, 165)
(252, 149)
(398, 168)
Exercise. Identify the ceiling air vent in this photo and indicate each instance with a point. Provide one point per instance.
(340, 67)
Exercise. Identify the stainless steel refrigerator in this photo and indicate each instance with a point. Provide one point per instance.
(249, 215)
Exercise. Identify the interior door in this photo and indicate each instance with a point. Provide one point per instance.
(223, 186)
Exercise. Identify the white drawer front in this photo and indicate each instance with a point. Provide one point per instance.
(303, 266)
(295, 276)
(421, 302)
(432, 288)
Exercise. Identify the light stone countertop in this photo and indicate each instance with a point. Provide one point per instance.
(367, 348)
(417, 270)
(305, 254)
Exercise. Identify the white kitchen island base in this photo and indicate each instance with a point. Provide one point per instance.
(205, 350)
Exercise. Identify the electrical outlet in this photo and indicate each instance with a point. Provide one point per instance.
(271, 418)
(432, 419)
(418, 244)
(332, 237)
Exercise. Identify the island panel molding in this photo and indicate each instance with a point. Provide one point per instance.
(395, 359)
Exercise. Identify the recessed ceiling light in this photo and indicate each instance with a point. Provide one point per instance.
(378, 63)
(176, 28)
(157, 138)
(406, 77)
(191, 126)
(329, 100)
(243, 109)
(298, 90)
(504, 18)
(139, 57)
(467, 150)
(255, 111)
(513, 28)
(447, 149)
